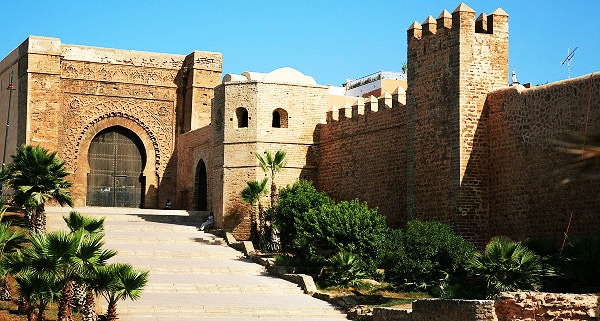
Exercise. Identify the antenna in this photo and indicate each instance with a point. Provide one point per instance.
(568, 60)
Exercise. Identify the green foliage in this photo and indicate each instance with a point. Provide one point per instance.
(507, 266)
(77, 222)
(343, 268)
(254, 191)
(37, 175)
(581, 267)
(293, 203)
(424, 256)
(346, 226)
(271, 164)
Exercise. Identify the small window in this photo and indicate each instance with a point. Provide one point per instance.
(280, 118)
(242, 117)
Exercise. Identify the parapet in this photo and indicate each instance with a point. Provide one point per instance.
(462, 18)
(366, 106)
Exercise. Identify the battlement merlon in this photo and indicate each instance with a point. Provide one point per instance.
(461, 19)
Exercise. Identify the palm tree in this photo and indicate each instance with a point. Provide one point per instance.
(508, 266)
(587, 147)
(66, 256)
(75, 222)
(37, 291)
(10, 241)
(119, 282)
(36, 177)
(271, 165)
(252, 195)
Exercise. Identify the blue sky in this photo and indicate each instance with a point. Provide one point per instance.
(329, 40)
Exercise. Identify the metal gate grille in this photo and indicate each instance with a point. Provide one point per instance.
(116, 164)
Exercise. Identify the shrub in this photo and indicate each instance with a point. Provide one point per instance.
(343, 268)
(424, 255)
(294, 202)
(507, 266)
(581, 268)
(346, 226)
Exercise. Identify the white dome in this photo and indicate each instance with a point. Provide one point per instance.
(287, 74)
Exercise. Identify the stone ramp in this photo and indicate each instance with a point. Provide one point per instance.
(193, 275)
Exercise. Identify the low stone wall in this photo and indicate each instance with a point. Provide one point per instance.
(509, 306)
(434, 309)
(547, 306)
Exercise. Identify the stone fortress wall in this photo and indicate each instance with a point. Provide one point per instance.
(465, 149)
(457, 145)
(362, 154)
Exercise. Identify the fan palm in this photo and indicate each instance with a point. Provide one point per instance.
(252, 195)
(587, 147)
(75, 222)
(507, 266)
(271, 165)
(37, 176)
(66, 256)
(119, 282)
(37, 291)
(10, 241)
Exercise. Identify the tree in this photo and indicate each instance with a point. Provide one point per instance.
(82, 294)
(68, 257)
(587, 147)
(36, 177)
(119, 282)
(271, 165)
(252, 195)
(10, 241)
(508, 266)
(75, 222)
(37, 290)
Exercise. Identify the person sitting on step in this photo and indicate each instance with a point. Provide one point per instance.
(209, 221)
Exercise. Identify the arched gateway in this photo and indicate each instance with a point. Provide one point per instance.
(117, 159)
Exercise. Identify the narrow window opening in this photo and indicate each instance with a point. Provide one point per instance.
(280, 118)
(276, 120)
(242, 117)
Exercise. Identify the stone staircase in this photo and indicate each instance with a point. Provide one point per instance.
(194, 275)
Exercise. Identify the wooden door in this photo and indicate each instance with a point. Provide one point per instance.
(117, 161)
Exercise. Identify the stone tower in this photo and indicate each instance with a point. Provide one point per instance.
(254, 112)
(453, 62)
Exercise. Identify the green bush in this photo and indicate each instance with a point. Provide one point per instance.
(294, 202)
(581, 267)
(346, 226)
(343, 268)
(507, 266)
(424, 256)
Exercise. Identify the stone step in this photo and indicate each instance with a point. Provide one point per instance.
(140, 240)
(170, 255)
(98, 210)
(147, 228)
(231, 317)
(221, 288)
(210, 312)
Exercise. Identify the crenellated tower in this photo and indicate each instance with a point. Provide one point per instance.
(453, 62)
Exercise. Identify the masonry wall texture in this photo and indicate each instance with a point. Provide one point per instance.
(526, 197)
(362, 155)
(509, 306)
(457, 146)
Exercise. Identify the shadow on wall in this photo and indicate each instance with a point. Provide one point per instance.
(511, 185)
